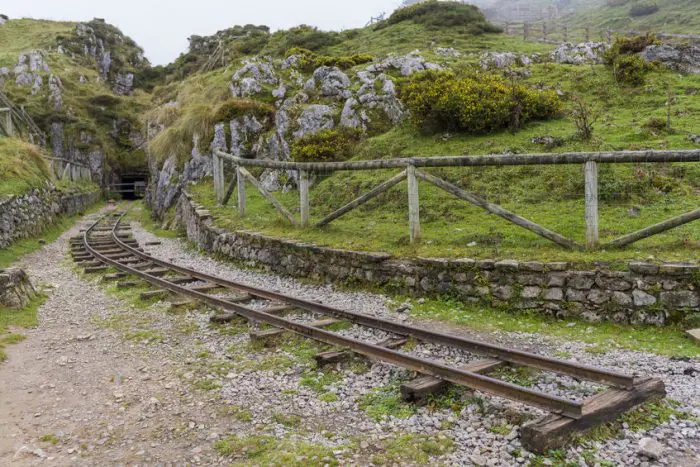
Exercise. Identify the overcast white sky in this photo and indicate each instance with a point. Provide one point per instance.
(162, 27)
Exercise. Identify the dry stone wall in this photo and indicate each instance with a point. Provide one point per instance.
(29, 215)
(644, 294)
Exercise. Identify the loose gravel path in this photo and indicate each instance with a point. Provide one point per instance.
(116, 384)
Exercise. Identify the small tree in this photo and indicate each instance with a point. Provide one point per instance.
(584, 118)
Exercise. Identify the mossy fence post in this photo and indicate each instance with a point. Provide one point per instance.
(304, 197)
(240, 181)
(413, 204)
(591, 197)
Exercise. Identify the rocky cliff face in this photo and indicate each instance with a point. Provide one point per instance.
(304, 104)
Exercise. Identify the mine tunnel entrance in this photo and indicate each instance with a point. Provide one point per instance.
(131, 185)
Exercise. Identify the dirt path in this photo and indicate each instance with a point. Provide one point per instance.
(76, 393)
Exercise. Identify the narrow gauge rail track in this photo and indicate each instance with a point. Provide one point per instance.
(107, 243)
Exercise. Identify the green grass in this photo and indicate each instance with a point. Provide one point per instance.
(267, 450)
(49, 438)
(21, 35)
(27, 317)
(318, 381)
(674, 16)
(22, 167)
(385, 401)
(669, 340)
(413, 449)
(288, 420)
(138, 212)
(644, 418)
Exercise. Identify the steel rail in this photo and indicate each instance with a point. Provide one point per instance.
(472, 380)
(508, 355)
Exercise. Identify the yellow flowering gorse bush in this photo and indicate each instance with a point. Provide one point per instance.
(481, 103)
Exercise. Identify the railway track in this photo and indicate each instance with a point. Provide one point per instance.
(108, 244)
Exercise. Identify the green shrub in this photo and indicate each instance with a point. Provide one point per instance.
(628, 46)
(234, 108)
(644, 9)
(326, 145)
(481, 103)
(443, 14)
(303, 37)
(309, 61)
(630, 70)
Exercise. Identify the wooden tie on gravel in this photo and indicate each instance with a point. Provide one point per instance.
(108, 245)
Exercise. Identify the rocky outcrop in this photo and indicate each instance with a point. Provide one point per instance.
(116, 57)
(499, 60)
(16, 289)
(684, 58)
(29, 215)
(580, 54)
(643, 294)
(327, 98)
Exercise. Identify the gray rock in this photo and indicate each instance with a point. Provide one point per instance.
(56, 92)
(580, 54)
(313, 119)
(350, 117)
(683, 58)
(123, 83)
(641, 298)
(621, 299)
(582, 280)
(331, 82)
(681, 299)
(650, 448)
(555, 294)
(447, 52)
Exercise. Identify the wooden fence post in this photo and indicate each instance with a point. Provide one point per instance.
(217, 172)
(7, 124)
(591, 180)
(544, 31)
(304, 197)
(526, 30)
(587, 32)
(240, 181)
(507, 28)
(566, 33)
(413, 205)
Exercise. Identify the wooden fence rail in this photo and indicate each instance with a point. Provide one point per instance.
(589, 162)
(551, 32)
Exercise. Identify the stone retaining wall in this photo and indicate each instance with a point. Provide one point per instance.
(29, 215)
(16, 290)
(645, 293)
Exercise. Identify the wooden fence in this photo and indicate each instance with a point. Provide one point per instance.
(555, 33)
(64, 169)
(410, 172)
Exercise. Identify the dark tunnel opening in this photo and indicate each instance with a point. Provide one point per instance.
(130, 186)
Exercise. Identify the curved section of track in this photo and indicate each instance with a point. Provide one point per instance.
(123, 254)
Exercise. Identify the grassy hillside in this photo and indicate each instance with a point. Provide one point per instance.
(673, 16)
(94, 118)
(627, 118)
(22, 35)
